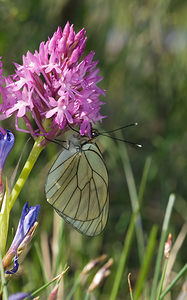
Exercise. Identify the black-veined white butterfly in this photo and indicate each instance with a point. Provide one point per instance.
(77, 185)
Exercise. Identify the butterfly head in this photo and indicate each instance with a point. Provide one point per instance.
(94, 133)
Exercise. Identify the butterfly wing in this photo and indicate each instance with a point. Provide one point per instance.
(90, 227)
(77, 187)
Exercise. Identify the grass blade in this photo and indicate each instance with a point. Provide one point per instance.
(144, 180)
(175, 252)
(146, 262)
(134, 220)
(162, 280)
(46, 285)
(60, 246)
(87, 297)
(123, 258)
(133, 197)
(161, 245)
(130, 287)
(75, 286)
(38, 251)
(179, 275)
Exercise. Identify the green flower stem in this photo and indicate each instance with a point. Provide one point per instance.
(33, 156)
(161, 245)
(179, 275)
(162, 279)
(3, 283)
(4, 221)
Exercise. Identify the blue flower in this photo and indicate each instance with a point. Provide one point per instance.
(19, 296)
(6, 143)
(28, 218)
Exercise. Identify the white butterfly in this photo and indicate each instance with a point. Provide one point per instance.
(77, 185)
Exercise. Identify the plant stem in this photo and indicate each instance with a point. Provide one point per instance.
(33, 156)
(4, 221)
(76, 283)
(3, 280)
(134, 220)
(144, 180)
(130, 287)
(123, 258)
(57, 278)
(146, 262)
(41, 263)
(162, 279)
(60, 246)
(133, 197)
(87, 297)
(131, 295)
(179, 275)
(161, 245)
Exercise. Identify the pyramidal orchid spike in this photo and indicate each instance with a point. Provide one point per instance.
(54, 86)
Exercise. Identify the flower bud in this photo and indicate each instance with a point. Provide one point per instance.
(6, 144)
(101, 275)
(53, 294)
(93, 263)
(19, 296)
(167, 247)
(23, 234)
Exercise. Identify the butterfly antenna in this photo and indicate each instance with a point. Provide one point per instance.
(58, 142)
(73, 128)
(121, 140)
(123, 127)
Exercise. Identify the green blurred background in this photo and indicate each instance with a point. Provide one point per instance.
(142, 51)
